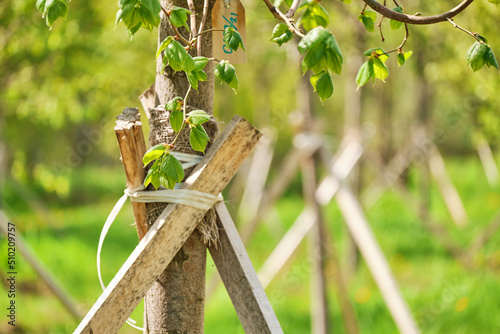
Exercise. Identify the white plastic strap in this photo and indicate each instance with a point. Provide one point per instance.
(188, 197)
(189, 160)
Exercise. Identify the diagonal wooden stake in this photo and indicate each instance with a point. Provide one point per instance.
(239, 276)
(170, 231)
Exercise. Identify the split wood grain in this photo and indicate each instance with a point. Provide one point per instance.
(130, 138)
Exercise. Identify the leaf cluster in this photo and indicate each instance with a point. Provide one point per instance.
(480, 54)
(138, 13)
(322, 56)
(52, 10)
(166, 171)
(314, 15)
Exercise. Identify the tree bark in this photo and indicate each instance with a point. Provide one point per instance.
(175, 303)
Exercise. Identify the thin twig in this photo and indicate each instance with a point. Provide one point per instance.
(466, 31)
(183, 115)
(208, 30)
(379, 25)
(293, 8)
(185, 102)
(192, 17)
(185, 41)
(202, 26)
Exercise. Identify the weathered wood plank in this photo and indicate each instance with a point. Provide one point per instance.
(170, 231)
(239, 277)
(130, 138)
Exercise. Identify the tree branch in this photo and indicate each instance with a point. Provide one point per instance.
(412, 19)
(280, 16)
(192, 17)
(293, 8)
(202, 26)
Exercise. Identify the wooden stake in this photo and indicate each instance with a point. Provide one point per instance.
(326, 190)
(447, 189)
(239, 277)
(170, 231)
(374, 257)
(130, 138)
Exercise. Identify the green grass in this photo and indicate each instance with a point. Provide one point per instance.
(444, 296)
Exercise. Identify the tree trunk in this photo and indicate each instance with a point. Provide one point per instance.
(175, 303)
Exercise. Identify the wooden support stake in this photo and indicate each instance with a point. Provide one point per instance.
(170, 231)
(320, 322)
(130, 138)
(488, 161)
(41, 270)
(239, 277)
(447, 189)
(257, 176)
(325, 192)
(482, 238)
(375, 259)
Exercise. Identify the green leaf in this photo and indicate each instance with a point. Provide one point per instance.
(126, 7)
(197, 117)
(151, 12)
(174, 104)
(131, 31)
(232, 38)
(314, 16)
(490, 59)
(334, 58)
(149, 176)
(368, 19)
(323, 84)
(325, 54)
(171, 171)
(132, 19)
(495, 2)
(314, 59)
(281, 34)
(380, 70)
(198, 138)
(195, 76)
(52, 10)
(475, 55)
(164, 45)
(176, 120)
(40, 5)
(178, 58)
(403, 56)
(313, 37)
(154, 153)
(396, 24)
(153, 175)
(365, 73)
(200, 63)
(178, 16)
(226, 72)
